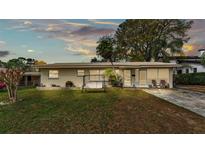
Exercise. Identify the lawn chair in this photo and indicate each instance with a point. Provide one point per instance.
(163, 84)
(154, 84)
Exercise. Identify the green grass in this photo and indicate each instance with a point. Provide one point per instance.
(115, 111)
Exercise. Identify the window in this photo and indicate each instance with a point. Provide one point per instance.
(195, 70)
(53, 74)
(80, 72)
(187, 70)
(102, 72)
(143, 76)
(94, 75)
(127, 78)
(102, 75)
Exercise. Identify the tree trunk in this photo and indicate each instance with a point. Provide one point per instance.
(12, 92)
(9, 91)
(15, 94)
(113, 68)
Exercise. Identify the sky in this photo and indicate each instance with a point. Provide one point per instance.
(66, 40)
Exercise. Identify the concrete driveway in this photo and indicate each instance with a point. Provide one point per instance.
(191, 100)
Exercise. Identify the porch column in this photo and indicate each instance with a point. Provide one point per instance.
(170, 78)
(26, 80)
(136, 77)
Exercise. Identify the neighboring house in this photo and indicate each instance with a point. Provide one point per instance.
(134, 74)
(190, 64)
(30, 78)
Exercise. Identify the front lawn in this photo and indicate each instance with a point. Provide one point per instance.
(116, 111)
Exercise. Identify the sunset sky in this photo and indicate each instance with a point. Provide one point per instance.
(69, 40)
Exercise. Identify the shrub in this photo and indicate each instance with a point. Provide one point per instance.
(115, 79)
(69, 84)
(190, 79)
(2, 85)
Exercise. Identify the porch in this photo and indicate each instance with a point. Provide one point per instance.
(146, 77)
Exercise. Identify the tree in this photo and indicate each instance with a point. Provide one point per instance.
(2, 64)
(31, 61)
(19, 63)
(144, 40)
(11, 75)
(110, 74)
(113, 77)
(40, 62)
(94, 60)
(106, 49)
(11, 78)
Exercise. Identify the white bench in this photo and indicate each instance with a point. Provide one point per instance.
(94, 85)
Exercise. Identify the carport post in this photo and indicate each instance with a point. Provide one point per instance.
(171, 78)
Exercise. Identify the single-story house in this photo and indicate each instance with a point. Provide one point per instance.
(133, 74)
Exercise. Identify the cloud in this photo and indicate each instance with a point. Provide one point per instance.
(4, 53)
(27, 23)
(55, 28)
(76, 24)
(24, 46)
(79, 38)
(40, 37)
(2, 44)
(92, 31)
(30, 50)
(89, 43)
(104, 22)
(80, 51)
(41, 25)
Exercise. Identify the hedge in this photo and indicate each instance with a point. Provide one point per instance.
(190, 79)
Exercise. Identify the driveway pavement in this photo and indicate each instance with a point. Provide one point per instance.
(199, 88)
(191, 100)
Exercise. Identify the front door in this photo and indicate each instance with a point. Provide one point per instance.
(127, 78)
(143, 77)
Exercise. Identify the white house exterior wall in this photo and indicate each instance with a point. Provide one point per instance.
(200, 67)
(64, 76)
(71, 75)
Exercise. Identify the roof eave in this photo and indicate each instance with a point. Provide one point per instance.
(107, 66)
